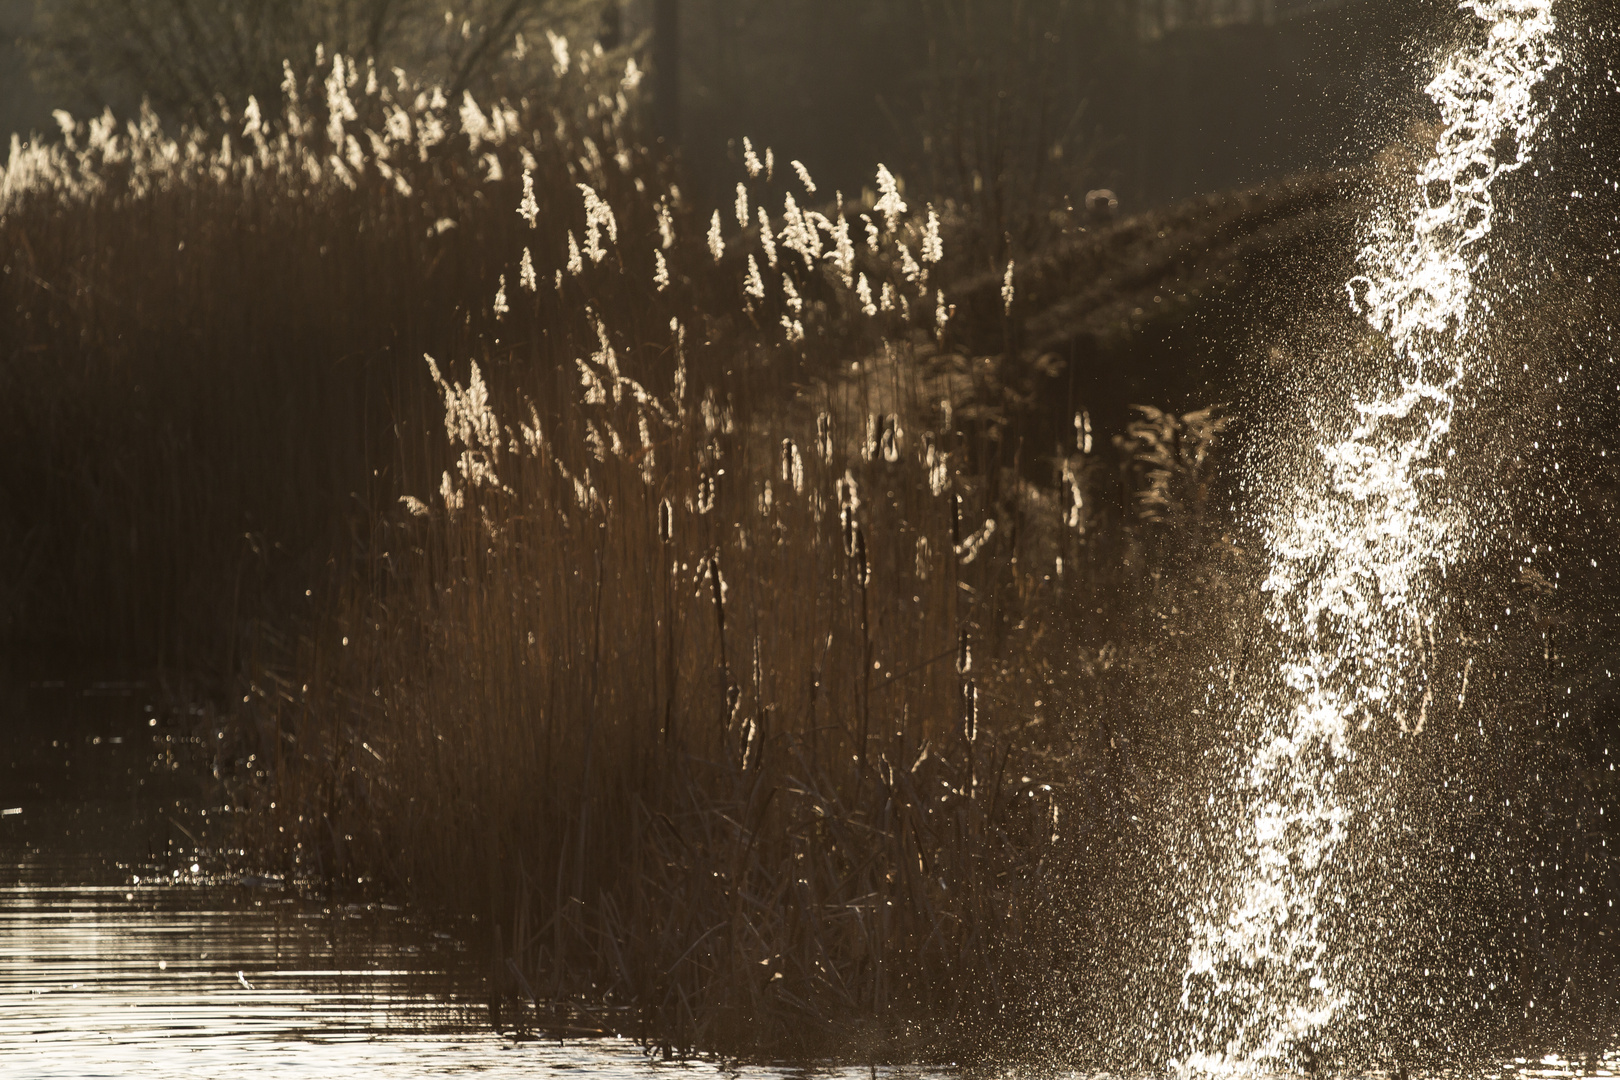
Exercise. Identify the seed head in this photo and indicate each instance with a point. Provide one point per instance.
(804, 177)
(863, 293)
(598, 219)
(767, 239)
(933, 248)
(666, 225)
(717, 243)
(559, 54)
(891, 205)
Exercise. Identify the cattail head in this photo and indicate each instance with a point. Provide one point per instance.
(666, 522)
(970, 713)
(935, 462)
(708, 572)
(792, 466)
(890, 440)
(1082, 431)
(956, 519)
(857, 551)
(849, 493)
(1076, 519)
(964, 652)
(824, 442)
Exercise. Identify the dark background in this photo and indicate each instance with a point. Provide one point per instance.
(1156, 99)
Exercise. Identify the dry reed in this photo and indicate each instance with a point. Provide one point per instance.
(692, 638)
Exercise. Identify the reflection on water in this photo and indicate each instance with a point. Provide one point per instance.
(123, 953)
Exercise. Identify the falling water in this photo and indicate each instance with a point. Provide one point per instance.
(1357, 556)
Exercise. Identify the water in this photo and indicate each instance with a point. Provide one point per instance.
(1359, 533)
(122, 955)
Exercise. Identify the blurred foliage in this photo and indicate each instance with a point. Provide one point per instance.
(190, 57)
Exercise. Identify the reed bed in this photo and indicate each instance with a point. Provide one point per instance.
(211, 339)
(726, 674)
(685, 616)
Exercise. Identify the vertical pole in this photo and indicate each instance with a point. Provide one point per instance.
(667, 69)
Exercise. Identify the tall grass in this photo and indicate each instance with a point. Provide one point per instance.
(726, 672)
(210, 345)
(687, 620)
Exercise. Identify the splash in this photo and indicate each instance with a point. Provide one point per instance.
(1357, 555)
